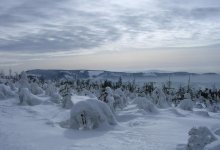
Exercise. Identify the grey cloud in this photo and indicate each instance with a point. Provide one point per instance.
(206, 12)
(53, 25)
(73, 37)
(81, 29)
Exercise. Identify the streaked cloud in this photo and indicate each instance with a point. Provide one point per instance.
(54, 28)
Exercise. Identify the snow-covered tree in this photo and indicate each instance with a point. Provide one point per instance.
(23, 82)
(51, 90)
(145, 104)
(119, 98)
(91, 114)
(66, 93)
(35, 88)
(107, 97)
(159, 98)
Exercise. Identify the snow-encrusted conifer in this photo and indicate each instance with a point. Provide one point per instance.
(159, 98)
(66, 94)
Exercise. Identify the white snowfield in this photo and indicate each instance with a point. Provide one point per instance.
(39, 127)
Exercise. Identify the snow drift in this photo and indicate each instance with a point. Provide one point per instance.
(91, 114)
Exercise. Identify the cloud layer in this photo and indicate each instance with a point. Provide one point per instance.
(40, 29)
(38, 26)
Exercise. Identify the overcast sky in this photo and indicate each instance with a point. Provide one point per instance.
(176, 35)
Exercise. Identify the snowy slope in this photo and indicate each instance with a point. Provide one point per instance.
(94, 73)
(38, 128)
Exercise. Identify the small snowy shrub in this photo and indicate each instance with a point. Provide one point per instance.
(199, 138)
(90, 114)
(107, 97)
(5, 92)
(27, 98)
(145, 104)
(186, 104)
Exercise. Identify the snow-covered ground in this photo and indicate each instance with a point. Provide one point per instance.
(39, 128)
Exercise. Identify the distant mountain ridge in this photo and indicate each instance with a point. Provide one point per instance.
(87, 74)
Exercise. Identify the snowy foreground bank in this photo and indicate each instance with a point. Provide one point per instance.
(47, 126)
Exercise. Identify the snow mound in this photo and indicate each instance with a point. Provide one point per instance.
(199, 138)
(186, 104)
(213, 146)
(145, 104)
(202, 113)
(91, 114)
(110, 99)
(5, 92)
(27, 98)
